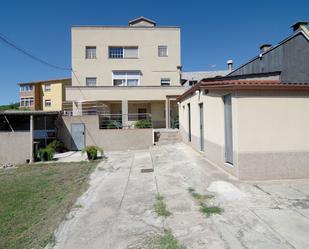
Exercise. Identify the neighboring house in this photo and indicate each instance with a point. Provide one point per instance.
(126, 73)
(254, 122)
(46, 95)
(189, 79)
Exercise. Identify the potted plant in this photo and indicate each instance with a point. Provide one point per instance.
(92, 152)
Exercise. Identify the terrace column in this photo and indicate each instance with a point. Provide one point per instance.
(125, 112)
(167, 113)
(31, 139)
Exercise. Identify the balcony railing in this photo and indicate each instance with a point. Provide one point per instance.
(132, 120)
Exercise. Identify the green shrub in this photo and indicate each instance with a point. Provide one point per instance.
(141, 124)
(45, 154)
(113, 124)
(56, 145)
(92, 152)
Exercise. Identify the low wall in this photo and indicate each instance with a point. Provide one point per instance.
(14, 147)
(107, 139)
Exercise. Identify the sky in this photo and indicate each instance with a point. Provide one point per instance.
(211, 31)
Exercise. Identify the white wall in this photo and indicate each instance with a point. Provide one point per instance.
(214, 138)
(270, 132)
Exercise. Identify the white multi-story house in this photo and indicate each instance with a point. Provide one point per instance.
(130, 70)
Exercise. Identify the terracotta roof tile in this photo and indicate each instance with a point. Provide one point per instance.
(244, 84)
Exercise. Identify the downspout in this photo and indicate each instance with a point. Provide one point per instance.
(31, 139)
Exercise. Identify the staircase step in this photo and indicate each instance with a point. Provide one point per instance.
(168, 137)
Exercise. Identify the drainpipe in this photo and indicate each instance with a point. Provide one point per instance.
(167, 113)
(31, 139)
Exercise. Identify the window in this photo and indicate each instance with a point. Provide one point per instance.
(123, 52)
(91, 52)
(26, 102)
(91, 81)
(162, 51)
(47, 88)
(47, 102)
(26, 88)
(126, 78)
(165, 82)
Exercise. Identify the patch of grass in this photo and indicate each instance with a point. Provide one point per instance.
(168, 241)
(202, 200)
(158, 241)
(160, 207)
(209, 210)
(201, 197)
(34, 199)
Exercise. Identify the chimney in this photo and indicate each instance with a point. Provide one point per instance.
(299, 25)
(229, 65)
(264, 48)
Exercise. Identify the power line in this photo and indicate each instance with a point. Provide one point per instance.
(13, 45)
(23, 51)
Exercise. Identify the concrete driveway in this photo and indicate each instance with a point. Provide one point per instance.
(117, 210)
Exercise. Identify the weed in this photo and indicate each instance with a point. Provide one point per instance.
(209, 210)
(158, 241)
(159, 197)
(201, 197)
(168, 241)
(202, 200)
(191, 190)
(160, 207)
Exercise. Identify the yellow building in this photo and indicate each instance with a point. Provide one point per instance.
(46, 95)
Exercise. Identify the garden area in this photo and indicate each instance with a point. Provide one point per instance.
(34, 199)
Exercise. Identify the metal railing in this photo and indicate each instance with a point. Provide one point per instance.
(125, 121)
(86, 108)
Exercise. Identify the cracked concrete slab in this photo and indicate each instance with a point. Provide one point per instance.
(117, 210)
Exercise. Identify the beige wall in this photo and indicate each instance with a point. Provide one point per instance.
(270, 132)
(152, 67)
(121, 93)
(158, 114)
(273, 135)
(14, 147)
(126, 139)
